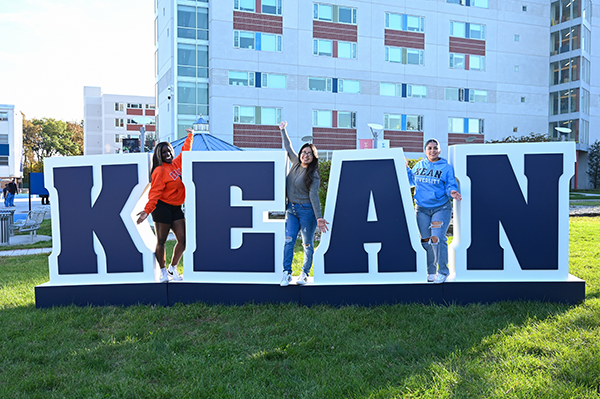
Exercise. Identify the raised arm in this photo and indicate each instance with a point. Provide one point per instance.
(287, 144)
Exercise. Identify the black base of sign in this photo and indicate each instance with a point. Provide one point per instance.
(167, 294)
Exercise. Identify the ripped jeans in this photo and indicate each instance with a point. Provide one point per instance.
(299, 217)
(428, 220)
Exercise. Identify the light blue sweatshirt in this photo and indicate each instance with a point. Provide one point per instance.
(433, 182)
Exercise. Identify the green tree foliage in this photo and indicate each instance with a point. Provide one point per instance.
(150, 140)
(594, 164)
(324, 169)
(530, 138)
(47, 137)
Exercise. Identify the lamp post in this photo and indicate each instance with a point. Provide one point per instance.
(564, 132)
(307, 139)
(142, 120)
(375, 132)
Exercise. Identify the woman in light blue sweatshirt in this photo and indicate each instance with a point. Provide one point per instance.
(434, 182)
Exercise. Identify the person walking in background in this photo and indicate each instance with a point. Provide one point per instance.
(5, 195)
(12, 191)
(167, 194)
(434, 182)
(303, 211)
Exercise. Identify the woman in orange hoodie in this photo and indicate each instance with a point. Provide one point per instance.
(167, 194)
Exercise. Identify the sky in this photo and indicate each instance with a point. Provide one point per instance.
(51, 49)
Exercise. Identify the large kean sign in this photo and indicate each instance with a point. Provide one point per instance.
(511, 230)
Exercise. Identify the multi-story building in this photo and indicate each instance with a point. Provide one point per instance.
(460, 71)
(111, 118)
(11, 142)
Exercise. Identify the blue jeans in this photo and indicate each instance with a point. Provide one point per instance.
(299, 217)
(437, 253)
(10, 200)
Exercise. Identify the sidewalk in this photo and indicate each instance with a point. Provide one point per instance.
(21, 208)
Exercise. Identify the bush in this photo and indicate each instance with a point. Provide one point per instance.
(594, 164)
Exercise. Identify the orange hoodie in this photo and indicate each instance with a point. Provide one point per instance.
(166, 181)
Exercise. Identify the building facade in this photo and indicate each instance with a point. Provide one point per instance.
(11, 142)
(460, 71)
(109, 119)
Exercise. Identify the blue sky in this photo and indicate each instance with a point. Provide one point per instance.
(51, 49)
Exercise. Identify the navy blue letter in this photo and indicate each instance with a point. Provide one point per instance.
(531, 227)
(79, 219)
(215, 217)
(346, 253)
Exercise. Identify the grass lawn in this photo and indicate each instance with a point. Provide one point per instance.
(504, 350)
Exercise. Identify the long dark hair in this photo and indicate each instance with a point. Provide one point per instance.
(157, 156)
(312, 167)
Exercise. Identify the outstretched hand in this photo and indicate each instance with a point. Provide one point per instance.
(141, 217)
(322, 224)
(456, 195)
(189, 130)
(282, 125)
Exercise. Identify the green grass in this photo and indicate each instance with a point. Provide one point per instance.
(585, 203)
(504, 350)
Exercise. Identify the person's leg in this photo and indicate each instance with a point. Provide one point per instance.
(178, 228)
(439, 227)
(308, 225)
(292, 225)
(162, 232)
(424, 223)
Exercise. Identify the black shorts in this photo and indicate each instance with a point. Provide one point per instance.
(166, 213)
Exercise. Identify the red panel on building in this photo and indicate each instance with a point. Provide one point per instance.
(257, 136)
(398, 38)
(334, 118)
(410, 141)
(258, 22)
(134, 111)
(461, 138)
(467, 62)
(467, 46)
(258, 5)
(150, 112)
(132, 128)
(335, 49)
(335, 31)
(325, 138)
(150, 128)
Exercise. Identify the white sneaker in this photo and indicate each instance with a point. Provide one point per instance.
(286, 279)
(303, 279)
(430, 278)
(440, 278)
(174, 274)
(164, 275)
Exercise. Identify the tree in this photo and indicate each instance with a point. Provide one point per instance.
(47, 137)
(150, 141)
(530, 138)
(594, 164)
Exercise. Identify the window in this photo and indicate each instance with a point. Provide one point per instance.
(523, 99)
(585, 70)
(404, 55)
(273, 81)
(272, 7)
(586, 40)
(269, 42)
(244, 5)
(134, 106)
(403, 122)
(192, 60)
(119, 107)
(390, 89)
(477, 63)
(323, 12)
(478, 96)
(243, 39)
(346, 120)
(346, 50)
(256, 115)
(192, 22)
(119, 122)
(465, 125)
(467, 30)
(457, 61)
(319, 84)
(330, 13)
(323, 47)
(348, 86)
(3, 138)
(3, 116)
(453, 94)
(517, 38)
(237, 78)
(321, 118)
(150, 106)
(410, 23)
(415, 91)
(479, 3)
(3, 161)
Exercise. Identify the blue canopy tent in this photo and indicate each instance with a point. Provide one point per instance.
(204, 142)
